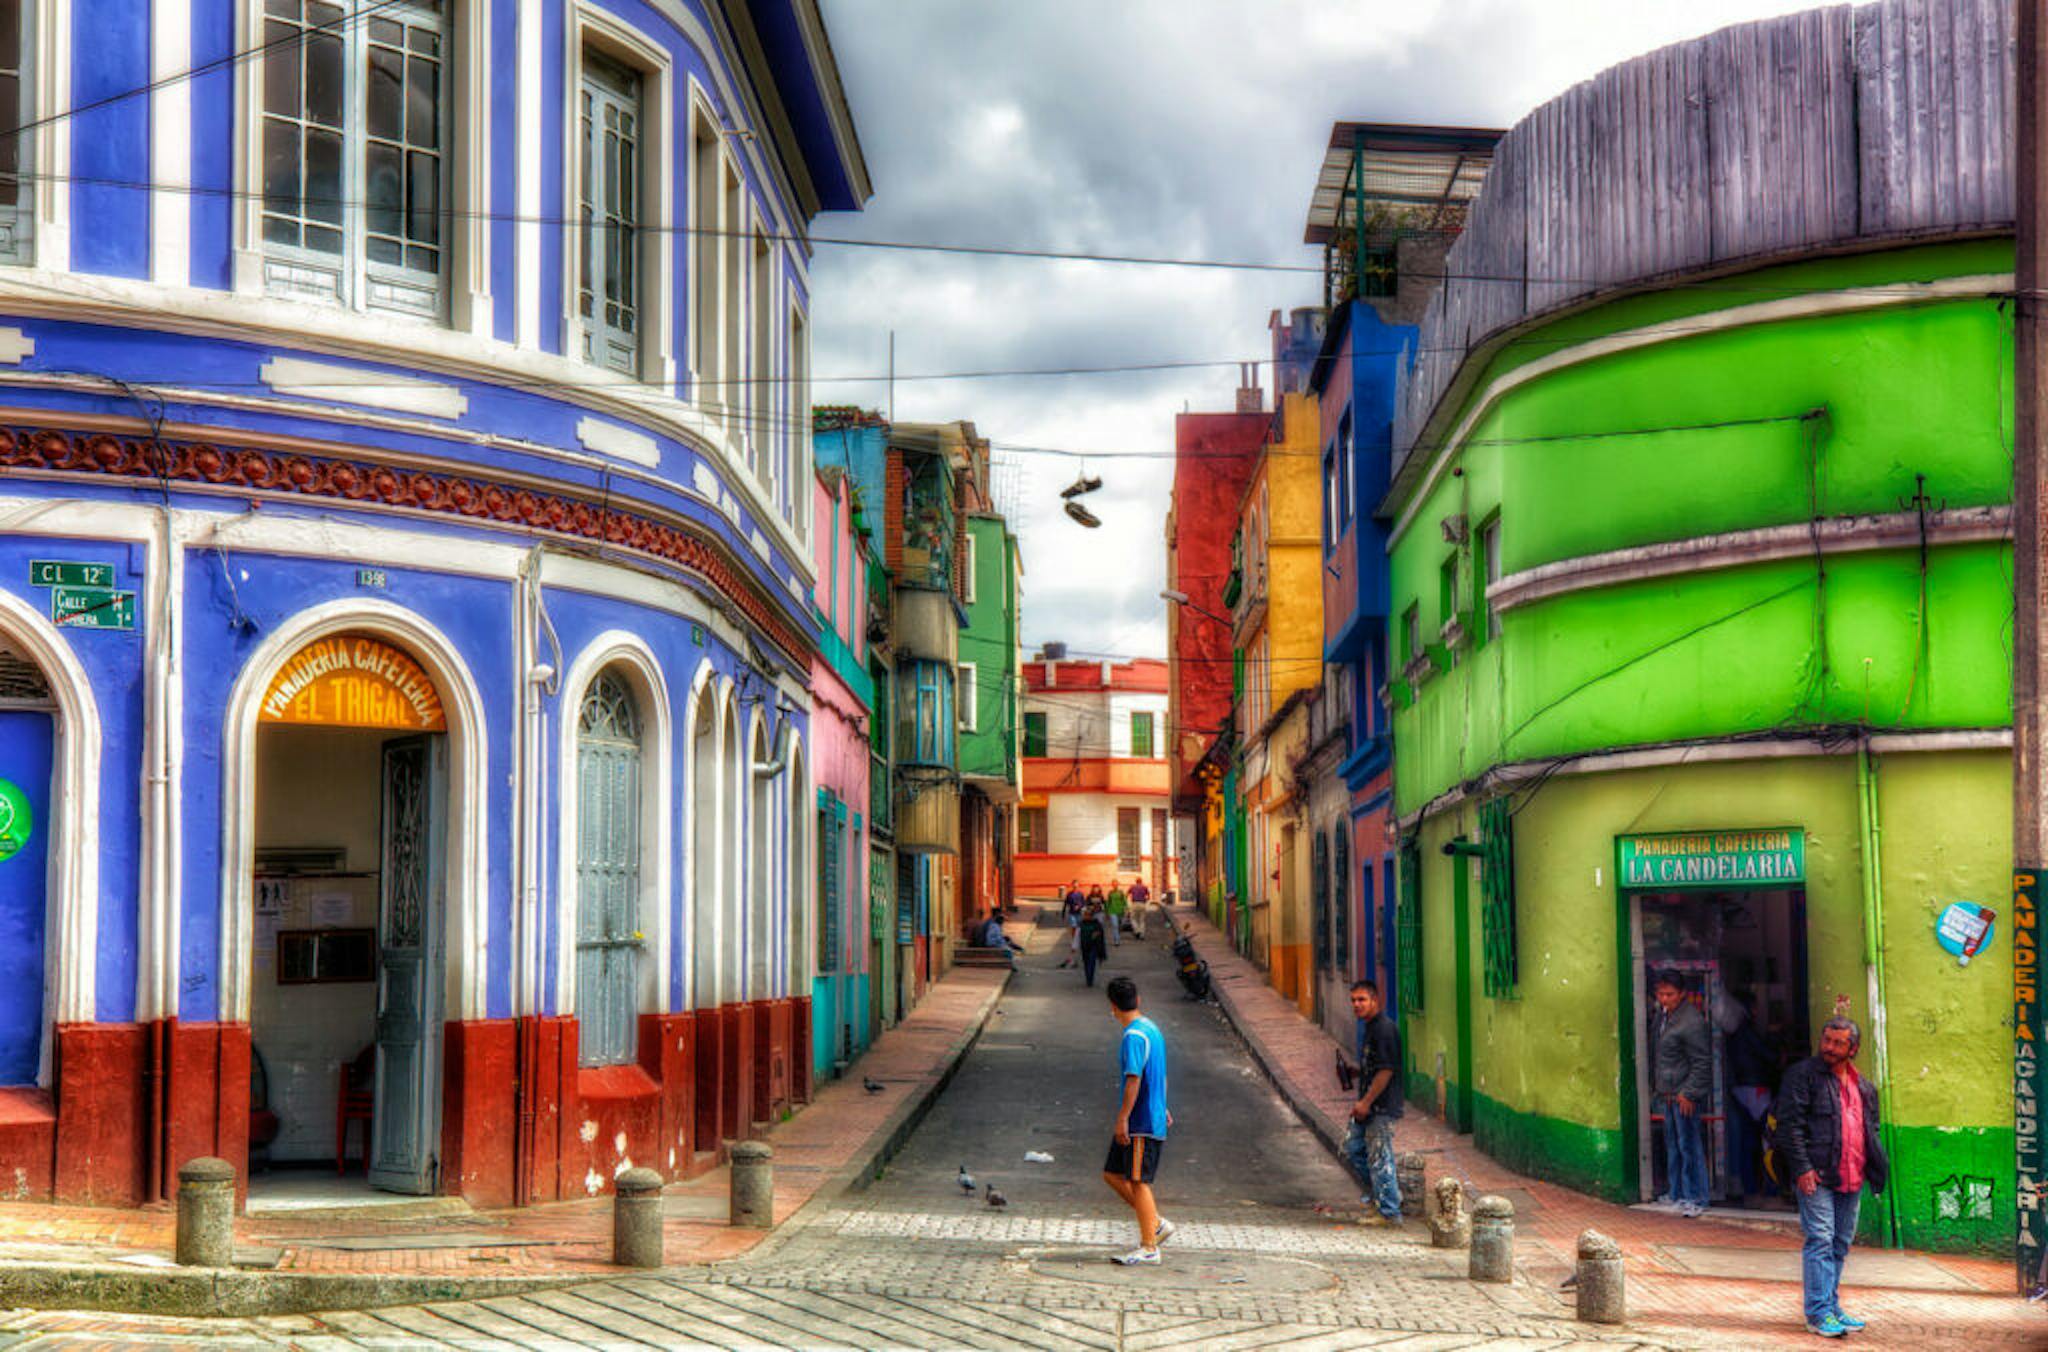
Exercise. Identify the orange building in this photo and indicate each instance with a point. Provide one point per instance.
(1096, 783)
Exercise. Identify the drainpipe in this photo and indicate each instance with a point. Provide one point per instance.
(1869, 837)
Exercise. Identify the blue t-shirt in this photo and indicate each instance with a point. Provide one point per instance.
(1141, 1051)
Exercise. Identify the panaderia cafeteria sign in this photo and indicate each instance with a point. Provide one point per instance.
(351, 681)
(1679, 859)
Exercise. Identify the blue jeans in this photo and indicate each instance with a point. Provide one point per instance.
(1685, 1155)
(1369, 1146)
(1829, 1220)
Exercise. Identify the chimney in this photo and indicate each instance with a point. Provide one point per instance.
(1250, 398)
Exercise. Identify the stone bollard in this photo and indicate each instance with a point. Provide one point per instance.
(1602, 1297)
(1450, 1223)
(753, 1185)
(206, 1213)
(1493, 1240)
(637, 1219)
(1408, 1174)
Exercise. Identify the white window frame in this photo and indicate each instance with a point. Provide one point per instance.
(618, 41)
(967, 560)
(799, 386)
(706, 361)
(757, 339)
(966, 688)
(25, 240)
(280, 273)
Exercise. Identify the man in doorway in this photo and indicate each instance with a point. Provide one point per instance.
(1682, 1077)
(1828, 1134)
(1139, 1132)
(1141, 902)
(1369, 1145)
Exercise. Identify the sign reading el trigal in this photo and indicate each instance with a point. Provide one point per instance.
(351, 681)
(1768, 858)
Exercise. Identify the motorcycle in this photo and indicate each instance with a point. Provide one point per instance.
(1192, 971)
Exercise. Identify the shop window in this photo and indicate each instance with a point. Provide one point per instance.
(608, 290)
(608, 941)
(1031, 831)
(1489, 573)
(1497, 898)
(1129, 850)
(1141, 735)
(924, 713)
(1034, 734)
(17, 194)
(1408, 928)
(354, 131)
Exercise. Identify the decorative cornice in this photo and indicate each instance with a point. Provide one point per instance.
(465, 497)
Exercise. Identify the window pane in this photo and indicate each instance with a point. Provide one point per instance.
(381, 249)
(385, 98)
(423, 198)
(423, 103)
(387, 31)
(285, 9)
(422, 260)
(281, 69)
(279, 231)
(323, 176)
(384, 188)
(281, 166)
(323, 240)
(324, 82)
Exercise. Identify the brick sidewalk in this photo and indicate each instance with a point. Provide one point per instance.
(820, 1151)
(1662, 1296)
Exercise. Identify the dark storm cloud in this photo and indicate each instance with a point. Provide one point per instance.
(1182, 128)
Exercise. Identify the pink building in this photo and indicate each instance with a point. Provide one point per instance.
(842, 697)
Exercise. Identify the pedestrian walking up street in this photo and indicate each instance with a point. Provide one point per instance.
(1682, 1077)
(1094, 948)
(1369, 1143)
(1141, 902)
(1828, 1135)
(1139, 1133)
(1071, 906)
(1114, 908)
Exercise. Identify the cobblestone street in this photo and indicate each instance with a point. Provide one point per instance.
(1266, 1254)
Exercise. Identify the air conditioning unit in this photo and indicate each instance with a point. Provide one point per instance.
(1456, 529)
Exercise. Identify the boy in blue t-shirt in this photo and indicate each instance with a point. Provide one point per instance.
(1141, 1121)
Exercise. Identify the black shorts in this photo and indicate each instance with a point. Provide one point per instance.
(1137, 1161)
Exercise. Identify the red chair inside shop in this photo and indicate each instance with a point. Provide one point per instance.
(355, 1103)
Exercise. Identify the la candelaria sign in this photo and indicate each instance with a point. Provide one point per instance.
(352, 681)
(1679, 859)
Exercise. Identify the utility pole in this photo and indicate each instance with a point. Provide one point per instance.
(2029, 674)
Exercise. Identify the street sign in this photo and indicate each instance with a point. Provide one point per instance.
(1714, 859)
(65, 573)
(92, 608)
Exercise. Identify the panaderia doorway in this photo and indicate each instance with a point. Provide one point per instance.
(345, 997)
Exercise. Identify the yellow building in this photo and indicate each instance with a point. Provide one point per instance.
(1277, 626)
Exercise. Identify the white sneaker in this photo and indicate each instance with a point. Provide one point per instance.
(1164, 1233)
(1137, 1257)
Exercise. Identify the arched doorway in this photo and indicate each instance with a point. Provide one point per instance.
(28, 763)
(348, 872)
(609, 791)
(704, 813)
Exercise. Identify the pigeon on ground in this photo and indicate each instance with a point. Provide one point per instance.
(966, 1180)
(995, 1198)
(868, 1083)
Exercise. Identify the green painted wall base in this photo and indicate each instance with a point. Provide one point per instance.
(1954, 1188)
(1586, 1158)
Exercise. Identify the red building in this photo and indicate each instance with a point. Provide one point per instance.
(1095, 775)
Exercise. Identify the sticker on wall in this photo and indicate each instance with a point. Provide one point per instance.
(16, 820)
(1964, 928)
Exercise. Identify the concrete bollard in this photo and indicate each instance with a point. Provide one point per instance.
(753, 1185)
(1493, 1240)
(1408, 1174)
(637, 1219)
(1450, 1220)
(206, 1213)
(1601, 1294)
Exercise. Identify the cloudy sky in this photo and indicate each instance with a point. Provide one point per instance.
(1162, 128)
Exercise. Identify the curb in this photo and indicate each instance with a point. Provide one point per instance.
(230, 1293)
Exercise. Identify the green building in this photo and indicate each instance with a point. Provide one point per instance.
(988, 681)
(1702, 601)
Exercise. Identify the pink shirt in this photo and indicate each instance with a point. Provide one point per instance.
(1850, 1090)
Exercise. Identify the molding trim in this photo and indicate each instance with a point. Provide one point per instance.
(617, 647)
(464, 880)
(1477, 405)
(359, 385)
(1732, 549)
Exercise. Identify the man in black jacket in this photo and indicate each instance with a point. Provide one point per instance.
(1682, 1074)
(1828, 1136)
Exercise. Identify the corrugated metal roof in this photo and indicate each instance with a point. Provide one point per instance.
(1404, 165)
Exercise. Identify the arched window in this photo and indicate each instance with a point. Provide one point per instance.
(608, 937)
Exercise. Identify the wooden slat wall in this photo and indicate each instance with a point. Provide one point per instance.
(1806, 131)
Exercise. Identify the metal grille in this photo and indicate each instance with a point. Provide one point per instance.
(608, 296)
(1408, 927)
(1497, 898)
(607, 871)
(1320, 885)
(21, 679)
(407, 850)
(1340, 897)
(831, 874)
(1128, 851)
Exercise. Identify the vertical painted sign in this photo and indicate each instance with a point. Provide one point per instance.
(2028, 1083)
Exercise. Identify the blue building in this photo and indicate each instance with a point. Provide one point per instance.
(404, 585)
